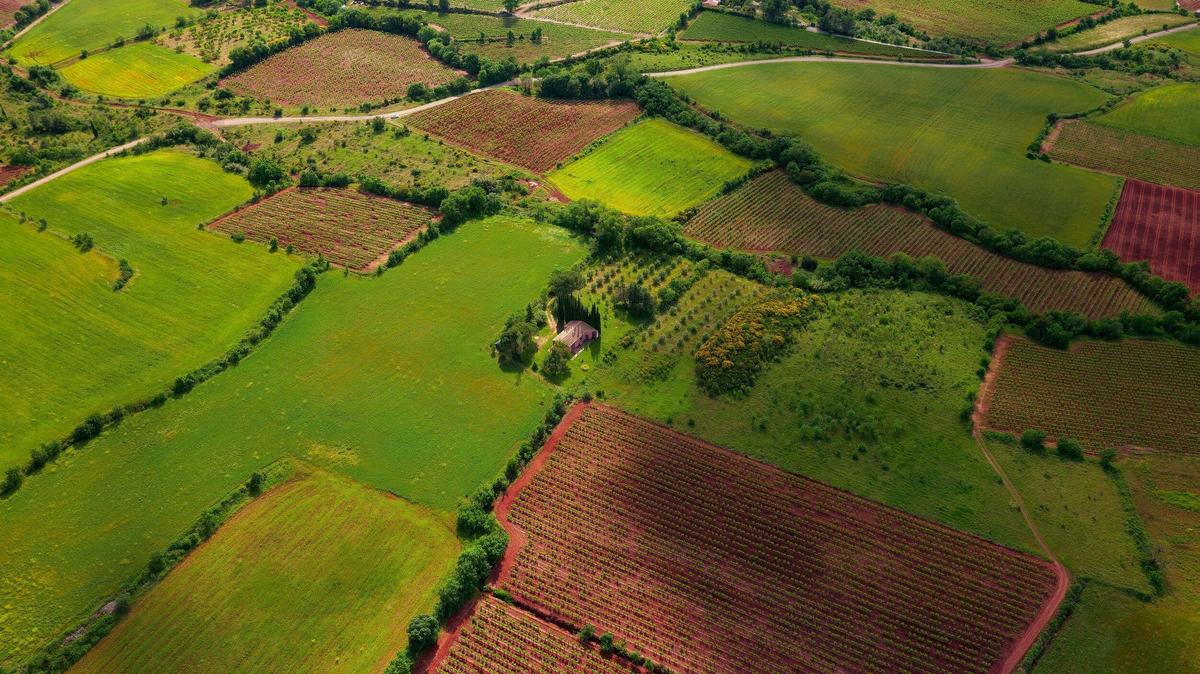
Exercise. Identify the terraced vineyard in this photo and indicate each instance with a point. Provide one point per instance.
(1127, 153)
(1131, 394)
(772, 214)
(529, 132)
(706, 561)
(1162, 225)
(348, 227)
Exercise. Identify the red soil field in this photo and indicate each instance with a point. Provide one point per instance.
(347, 67)
(532, 133)
(11, 173)
(349, 228)
(1128, 154)
(772, 214)
(707, 561)
(1162, 225)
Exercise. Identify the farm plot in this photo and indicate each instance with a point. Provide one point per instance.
(213, 37)
(1165, 112)
(347, 67)
(1162, 225)
(1130, 394)
(8, 10)
(722, 27)
(648, 17)
(651, 168)
(93, 24)
(1115, 31)
(346, 565)
(348, 227)
(532, 133)
(997, 22)
(1129, 154)
(500, 639)
(772, 214)
(962, 133)
(622, 521)
(488, 36)
(138, 70)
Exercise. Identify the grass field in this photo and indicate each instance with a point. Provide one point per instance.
(1188, 41)
(1117, 30)
(962, 133)
(92, 24)
(1113, 150)
(721, 27)
(987, 20)
(1133, 393)
(558, 40)
(73, 346)
(1167, 112)
(389, 380)
(651, 168)
(648, 17)
(138, 70)
(341, 565)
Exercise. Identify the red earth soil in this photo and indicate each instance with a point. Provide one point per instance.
(1160, 224)
(707, 561)
(11, 173)
(1190, 5)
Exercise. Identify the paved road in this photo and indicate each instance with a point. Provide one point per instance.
(1140, 38)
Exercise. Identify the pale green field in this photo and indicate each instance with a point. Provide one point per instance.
(962, 133)
(651, 168)
(389, 380)
(320, 574)
(648, 17)
(1117, 30)
(138, 70)
(91, 24)
(721, 27)
(73, 346)
(999, 21)
(1171, 112)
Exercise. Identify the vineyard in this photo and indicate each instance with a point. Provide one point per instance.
(1130, 154)
(500, 639)
(347, 67)
(1128, 394)
(212, 38)
(771, 214)
(529, 132)
(349, 228)
(648, 17)
(1162, 225)
(706, 561)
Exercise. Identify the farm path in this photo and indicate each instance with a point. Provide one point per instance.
(825, 59)
(77, 165)
(1141, 38)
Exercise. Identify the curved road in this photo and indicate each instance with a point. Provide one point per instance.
(1140, 38)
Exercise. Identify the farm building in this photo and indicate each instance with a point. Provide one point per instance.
(577, 335)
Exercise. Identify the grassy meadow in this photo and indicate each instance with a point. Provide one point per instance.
(558, 40)
(987, 20)
(1167, 112)
(319, 574)
(721, 27)
(962, 133)
(651, 168)
(1115, 31)
(75, 347)
(389, 380)
(91, 24)
(138, 70)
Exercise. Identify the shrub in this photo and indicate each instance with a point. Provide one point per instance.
(557, 363)
(1034, 440)
(422, 633)
(1069, 449)
(12, 482)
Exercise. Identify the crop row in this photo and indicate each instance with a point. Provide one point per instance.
(1162, 225)
(773, 214)
(1132, 393)
(709, 562)
(349, 228)
(529, 132)
(1127, 153)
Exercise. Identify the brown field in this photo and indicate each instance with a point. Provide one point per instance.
(349, 228)
(1129, 154)
(8, 8)
(1132, 394)
(772, 214)
(1162, 225)
(532, 133)
(706, 561)
(347, 67)
(11, 173)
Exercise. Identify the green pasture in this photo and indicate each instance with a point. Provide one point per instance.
(138, 70)
(651, 168)
(91, 24)
(73, 346)
(389, 380)
(962, 133)
(987, 20)
(1168, 112)
(1187, 41)
(320, 574)
(1116, 31)
(648, 17)
(557, 41)
(721, 27)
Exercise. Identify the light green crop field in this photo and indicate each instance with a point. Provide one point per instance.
(72, 346)
(91, 24)
(558, 40)
(988, 20)
(721, 27)
(648, 17)
(1117, 30)
(320, 574)
(861, 403)
(962, 133)
(138, 70)
(1168, 112)
(651, 168)
(389, 380)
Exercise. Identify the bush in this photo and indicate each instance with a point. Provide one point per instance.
(1107, 456)
(12, 482)
(422, 633)
(1034, 440)
(558, 360)
(1069, 449)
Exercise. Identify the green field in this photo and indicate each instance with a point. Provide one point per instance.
(90, 24)
(1168, 112)
(648, 17)
(389, 380)
(651, 168)
(963, 133)
(721, 27)
(558, 40)
(75, 347)
(139, 70)
(1187, 41)
(1117, 30)
(320, 574)
(987, 20)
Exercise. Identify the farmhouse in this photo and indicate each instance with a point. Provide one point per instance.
(577, 335)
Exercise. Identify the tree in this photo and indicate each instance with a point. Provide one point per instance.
(510, 6)
(264, 171)
(563, 282)
(417, 92)
(1069, 449)
(1107, 456)
(1034, 440)
(557, 363)
(422, 633)
(255, 484)
(635, 299)
(516, 340)
(12, 482)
